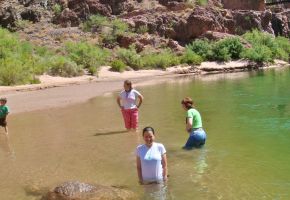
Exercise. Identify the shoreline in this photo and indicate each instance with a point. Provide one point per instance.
(55, 92)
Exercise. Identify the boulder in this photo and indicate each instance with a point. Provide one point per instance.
(31, 15)
(8, 17)
(75, 190)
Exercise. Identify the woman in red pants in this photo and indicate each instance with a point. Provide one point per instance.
(129, 100)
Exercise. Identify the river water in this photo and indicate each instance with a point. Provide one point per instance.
(246, 156)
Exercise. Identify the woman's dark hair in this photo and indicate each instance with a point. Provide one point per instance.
(148, 128)
(129, 83)
(187, 102)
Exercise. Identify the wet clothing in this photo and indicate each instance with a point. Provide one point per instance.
(129, 99)
(4, 110)
(196, 118)
(130, 117)
(151, 165)
(3, 122)
(130, 110)
(197, 136)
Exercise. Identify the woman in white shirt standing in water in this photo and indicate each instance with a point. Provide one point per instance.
(151, 159)
(129, 100)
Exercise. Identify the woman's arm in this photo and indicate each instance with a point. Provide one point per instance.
(164, 166)
(140, 97)
(119, 102)
(139, 169)
(188, 124)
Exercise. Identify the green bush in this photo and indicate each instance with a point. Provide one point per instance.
(200, 47)
(142, 29)
(201, 2)
(19, 61)
(284, 48)
(279, 47)
(87, 55)
(220, 52)
(95, 22)
(130, 57)
(160, 60)
(62, 66)
(227, 49)
(109, 29)
(259, 54)
(57, 9)
(118, 66)
(234, 46)
(13, 72)
(119, 27)
(191, 58)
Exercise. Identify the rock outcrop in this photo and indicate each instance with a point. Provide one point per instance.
(83, 191)
(244, 4)
(179, 21)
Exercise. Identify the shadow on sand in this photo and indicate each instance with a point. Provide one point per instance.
(110, 133)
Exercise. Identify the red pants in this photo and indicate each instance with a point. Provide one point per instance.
(130, 117)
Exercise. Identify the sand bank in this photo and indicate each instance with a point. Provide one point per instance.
(59, 91)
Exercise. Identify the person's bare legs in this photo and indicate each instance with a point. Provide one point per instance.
(6, 130)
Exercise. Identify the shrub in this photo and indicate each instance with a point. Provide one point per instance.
(118, 66)
(227, 49)
(57, 9)
(200, 47)
(119, 27)
(220, 52)
(86, 55)
(130, 57)
(13, 72)
(201, 2)
(279, 46)
(284, 48)
(21, 24)
(160, 60)
(259, 54)
(61, 66)
(95, 22)
(190, 57)
(142, 29)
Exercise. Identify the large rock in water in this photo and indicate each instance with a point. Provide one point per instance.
(82, 191)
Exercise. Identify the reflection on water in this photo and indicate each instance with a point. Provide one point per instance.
(156, 192)
(6, 147)
(246, 155)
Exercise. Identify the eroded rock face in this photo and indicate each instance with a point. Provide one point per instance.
(281, 23)
(83, 191)
(244, 4)
(199, 22)
(8, 17)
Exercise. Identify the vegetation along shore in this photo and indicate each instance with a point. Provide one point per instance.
(51, 43)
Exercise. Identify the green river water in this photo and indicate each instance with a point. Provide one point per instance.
(246, 156)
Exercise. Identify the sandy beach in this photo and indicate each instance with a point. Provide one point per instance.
(59, 91)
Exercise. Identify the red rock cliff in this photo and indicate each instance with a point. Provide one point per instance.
(244, 4)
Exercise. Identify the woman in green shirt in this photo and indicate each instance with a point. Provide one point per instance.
(197, 135)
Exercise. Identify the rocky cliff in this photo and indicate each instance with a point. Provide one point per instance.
(176, 21)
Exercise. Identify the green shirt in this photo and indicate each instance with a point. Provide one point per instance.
(4, 110)
(196, 118)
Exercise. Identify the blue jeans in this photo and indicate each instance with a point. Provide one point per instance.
(196, 138)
